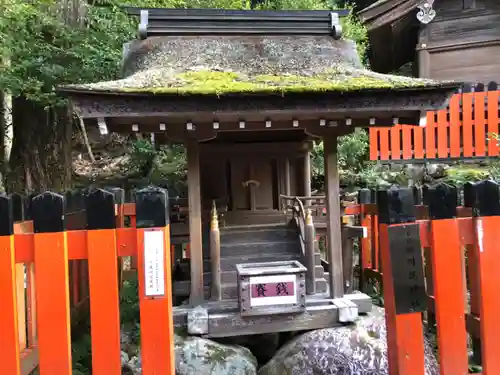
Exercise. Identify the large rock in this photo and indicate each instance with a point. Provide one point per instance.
(359, 349)
(197, 356)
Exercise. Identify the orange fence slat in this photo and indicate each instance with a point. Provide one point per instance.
(407, 146)
(104, 308)
(77, 245)
(492, 122)
(488, 257)
(31, 303)
(404, 332)
(383, 134)
(395, 134)
(467, 124)
(455, 126)
(430, 136)
(9, 336)
(374, 151)
(418, 142)
(366, 242)
(479, 124)
(21, 306)
(442, 134)
(155, 311)
(471, 119)
(448, 285)
(52, 298)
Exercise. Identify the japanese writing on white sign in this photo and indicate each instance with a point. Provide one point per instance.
(154, 263)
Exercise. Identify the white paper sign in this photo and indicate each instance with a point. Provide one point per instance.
(154, 263)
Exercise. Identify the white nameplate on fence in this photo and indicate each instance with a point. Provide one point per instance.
(154, 263)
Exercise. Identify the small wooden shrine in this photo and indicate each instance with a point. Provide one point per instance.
(247, 92)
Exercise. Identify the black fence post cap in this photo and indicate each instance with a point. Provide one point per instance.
(486, 198)
(442, 201)
(395, 205)
(6, 216)
(100, 209)
(48, 211)
(364, 196)
(152, 207)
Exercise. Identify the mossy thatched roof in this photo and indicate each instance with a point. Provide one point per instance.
(232, 65)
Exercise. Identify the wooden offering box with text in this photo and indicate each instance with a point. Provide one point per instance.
(271, 288)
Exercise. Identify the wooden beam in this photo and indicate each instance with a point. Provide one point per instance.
(334, 243)
(196, 296)
(262, 108)
(377, 9)
(393, 14)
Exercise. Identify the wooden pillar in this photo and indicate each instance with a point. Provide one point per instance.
(307, 174)
(196, 296)
(288, 189)
(252, 189)
(333, 235)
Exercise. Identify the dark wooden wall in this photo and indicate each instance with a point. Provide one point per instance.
(462, 42)
(223, 167)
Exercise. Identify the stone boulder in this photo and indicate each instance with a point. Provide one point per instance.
(359, 349)
(198, 356)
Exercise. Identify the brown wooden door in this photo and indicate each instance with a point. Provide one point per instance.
(252, 184)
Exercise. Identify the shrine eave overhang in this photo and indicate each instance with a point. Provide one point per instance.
(375, 107)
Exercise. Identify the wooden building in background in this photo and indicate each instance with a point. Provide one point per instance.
(444, 39)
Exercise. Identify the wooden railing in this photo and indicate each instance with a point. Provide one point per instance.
(461, 131)
(453, 283)
(44, 242)
(304, 222)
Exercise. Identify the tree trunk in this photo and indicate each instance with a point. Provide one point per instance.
(41, 150)
(41, 147)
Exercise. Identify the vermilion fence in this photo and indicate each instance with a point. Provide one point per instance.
(46, 244)
(460, 131)
(440, 258)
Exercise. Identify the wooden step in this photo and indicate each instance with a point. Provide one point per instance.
(260, 235)
(228, 263)
(260, 248)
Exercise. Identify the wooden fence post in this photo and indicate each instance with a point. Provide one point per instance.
(310, 237)
(51, 277)
(448, 279)
(403, 278)
(119, 201)
(470, 201)
(9, 337)
(155, 285)
(487, 254)
(365, 253)
(103, 281)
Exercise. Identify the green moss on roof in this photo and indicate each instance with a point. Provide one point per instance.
(220, 83)
(233, 65)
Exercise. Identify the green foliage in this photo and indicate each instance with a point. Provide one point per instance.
(45, 50)
(461, 174)
(167, 163)
(354, 167)
(354, 30)
(81, 356)
(129, 308)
